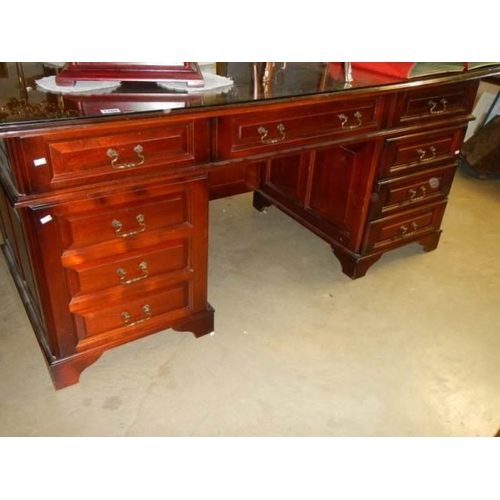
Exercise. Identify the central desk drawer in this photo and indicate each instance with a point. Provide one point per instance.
(63, 160)
(261, 132)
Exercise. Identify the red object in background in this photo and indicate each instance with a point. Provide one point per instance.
(396, 69)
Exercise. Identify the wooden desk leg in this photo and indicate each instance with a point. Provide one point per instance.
(67, 371)
(430, 242)
(198, 324)
(260, 202)
(355, 266)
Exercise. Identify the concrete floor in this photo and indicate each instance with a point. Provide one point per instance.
(412, 349)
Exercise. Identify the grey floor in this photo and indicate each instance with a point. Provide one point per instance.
(412, 349)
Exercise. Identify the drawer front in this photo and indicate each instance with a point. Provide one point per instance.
(116, 224)
(399, 229)
(436, 103)
(58, 161)
(117, 321)
(415, 152)
(261, 132)
(402, 193)
(123, 274)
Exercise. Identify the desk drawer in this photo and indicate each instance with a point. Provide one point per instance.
(412, 190)
(56, 161)
(112, 322)
(128, 272)
(412, 153)
(98, 227)
(122, 223)
(431, 104)
(395, 230)
(262, 132)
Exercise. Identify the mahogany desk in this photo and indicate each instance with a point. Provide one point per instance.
(104, 199)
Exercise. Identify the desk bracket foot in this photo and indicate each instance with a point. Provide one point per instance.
(198, 324)
(67, 371)
(353, 265)
(260, 202)
(430, 242)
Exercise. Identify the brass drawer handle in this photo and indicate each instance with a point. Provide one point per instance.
(263, 134)
(433, 105)
(422, 154)
(405, 232)
(145, 310)
(119, 226)
(344, 119)
(122, 273)
(414, 196)
(114, 155)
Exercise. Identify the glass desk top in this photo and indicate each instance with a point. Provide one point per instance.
(23, 104)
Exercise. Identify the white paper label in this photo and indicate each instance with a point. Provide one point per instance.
(109, 111)
(39, 161)
(46, 219)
